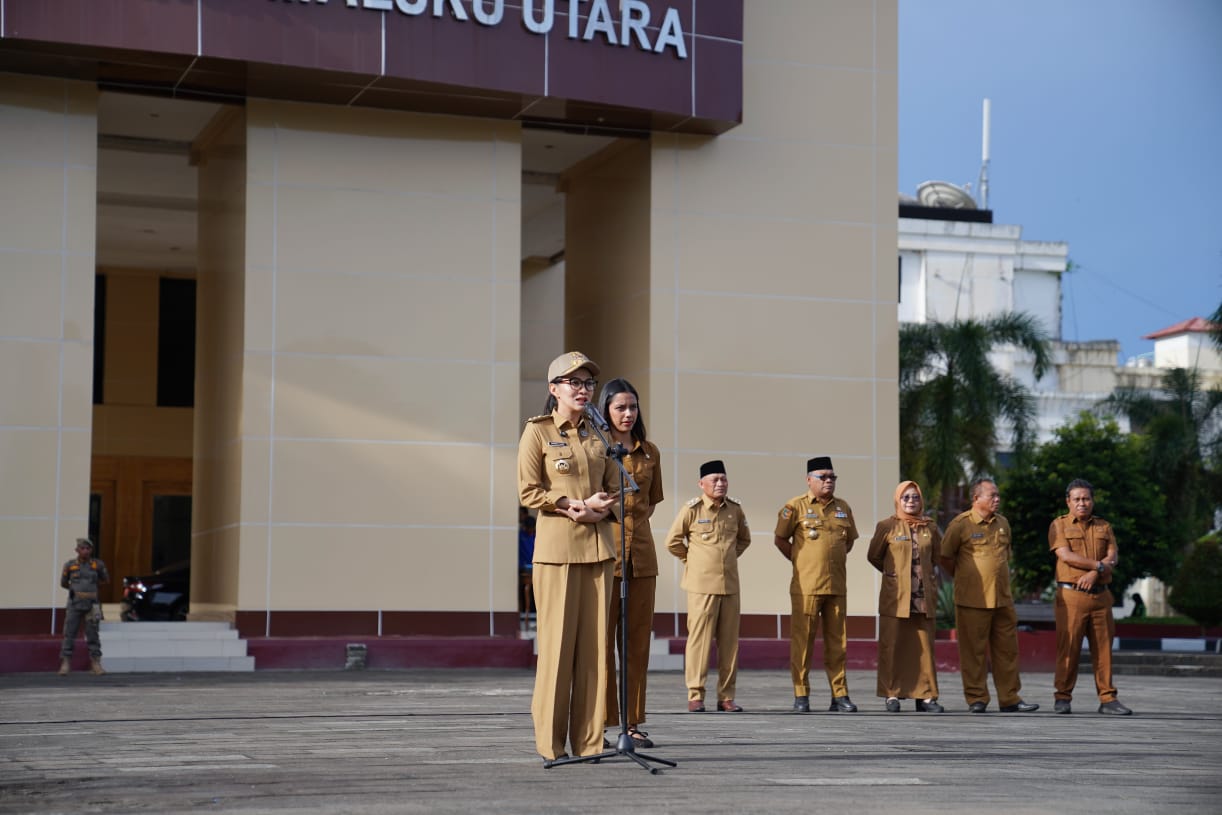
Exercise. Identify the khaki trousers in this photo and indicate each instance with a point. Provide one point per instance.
(984, 634)
(709, 616)
(829, 610)
(1080, 614)
(640, 628)
(569, 703)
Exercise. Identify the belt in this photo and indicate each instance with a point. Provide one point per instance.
(87, 595)
(1076, 587)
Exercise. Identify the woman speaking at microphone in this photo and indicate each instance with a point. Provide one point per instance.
(622, 408)
(564, 474)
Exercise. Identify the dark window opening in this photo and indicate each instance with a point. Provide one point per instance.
(176, 343)
(171, 530)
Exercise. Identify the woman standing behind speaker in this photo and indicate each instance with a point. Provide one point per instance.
(622, 408)
(564, 474)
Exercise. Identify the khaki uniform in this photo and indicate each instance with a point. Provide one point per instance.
(644, 463)
(822, 533)
(572, 581)
(984, 608)
(907, 608)
(81, 579)
(1082, 614)
(709, 538)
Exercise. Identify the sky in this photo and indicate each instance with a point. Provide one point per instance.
(1106, 134)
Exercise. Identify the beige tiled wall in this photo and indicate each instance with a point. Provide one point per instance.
(220, 452)
(48, 172)
(380, 397)
(773, 322)
(607, 224)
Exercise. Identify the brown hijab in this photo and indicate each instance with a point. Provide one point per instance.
(915, 521)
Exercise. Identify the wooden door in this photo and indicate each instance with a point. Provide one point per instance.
(136, 499)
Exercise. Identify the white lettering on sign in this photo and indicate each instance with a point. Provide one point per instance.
(630, 29)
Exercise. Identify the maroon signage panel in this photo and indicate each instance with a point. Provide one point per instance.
(657, 64)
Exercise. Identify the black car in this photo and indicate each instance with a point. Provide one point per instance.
(162, 595)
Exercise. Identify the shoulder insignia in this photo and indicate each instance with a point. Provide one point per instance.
(786, 512)
(733, 500)
(534, 419)
(694, 501)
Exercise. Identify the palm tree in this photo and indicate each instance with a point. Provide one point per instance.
(953, 401)
(1183, 423)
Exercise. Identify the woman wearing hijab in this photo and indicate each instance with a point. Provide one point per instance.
(903, 549)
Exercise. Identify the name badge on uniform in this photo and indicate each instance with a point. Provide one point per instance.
(562, 465)
(902, 538)
(557, 444)
(841, 515)
(977, 534)
(704, 521)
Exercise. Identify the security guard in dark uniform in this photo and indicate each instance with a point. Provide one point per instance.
(81, 577)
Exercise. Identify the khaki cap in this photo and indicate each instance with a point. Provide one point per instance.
(565, 364)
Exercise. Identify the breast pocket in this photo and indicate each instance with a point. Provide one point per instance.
(1076, 544)
(561, 463)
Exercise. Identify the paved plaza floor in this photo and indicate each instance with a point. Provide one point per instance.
(461, 741)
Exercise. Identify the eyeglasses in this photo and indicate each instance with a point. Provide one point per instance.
(907, 499)
(577, 384)
(831, 477)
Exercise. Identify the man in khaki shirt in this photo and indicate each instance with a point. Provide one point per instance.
(976, 550)
(708, 535)
(815, 531)
(1085, 547)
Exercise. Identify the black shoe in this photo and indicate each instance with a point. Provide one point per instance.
(1021, 707)
(640, 738)
(1061, 706)
(1114, 708)
(977, 707)
(801, 704)
(842, 704)
(931, 706)
(893, 705)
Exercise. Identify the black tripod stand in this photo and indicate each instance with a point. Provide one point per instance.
(624, 745)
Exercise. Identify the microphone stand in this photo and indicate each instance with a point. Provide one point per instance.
(624, 745)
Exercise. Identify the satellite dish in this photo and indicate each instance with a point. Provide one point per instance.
(945, 195)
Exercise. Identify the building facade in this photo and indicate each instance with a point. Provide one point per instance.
(380, 220)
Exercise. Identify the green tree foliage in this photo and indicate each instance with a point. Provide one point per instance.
(952, 399)
(1118, 466)
(1183, 424)
(1197, 592)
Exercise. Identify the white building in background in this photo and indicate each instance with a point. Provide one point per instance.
(955, 263)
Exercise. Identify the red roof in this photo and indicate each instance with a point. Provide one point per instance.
(1192, 325)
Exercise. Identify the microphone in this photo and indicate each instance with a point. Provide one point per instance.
(593, 414)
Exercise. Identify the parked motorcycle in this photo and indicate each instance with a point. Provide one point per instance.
(163, 595)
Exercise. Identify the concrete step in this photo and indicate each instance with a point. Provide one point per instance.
(173, 647)
(162, 631)
(169, 664)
